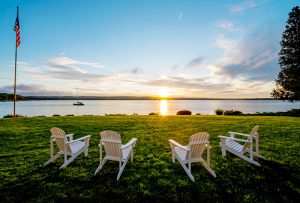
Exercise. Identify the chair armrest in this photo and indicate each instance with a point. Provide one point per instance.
(130, 143)
(232, 138)
(173, 142)
(82, 138)
(236, 133)
(70, 136)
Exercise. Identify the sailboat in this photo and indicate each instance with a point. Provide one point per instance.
(78, 103)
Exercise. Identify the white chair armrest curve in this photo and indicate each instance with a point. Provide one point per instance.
(70, 136)
(173, 142)
(236, 133)
(82, 138)
(130, 143)
(231, 138)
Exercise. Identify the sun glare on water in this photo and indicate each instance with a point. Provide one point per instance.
(163, 107)
(163, 94)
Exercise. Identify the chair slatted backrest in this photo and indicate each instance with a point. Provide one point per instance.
(111, 141)
(196, 148)
(60, 138)
(253, 134)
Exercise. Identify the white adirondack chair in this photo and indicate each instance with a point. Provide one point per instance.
(232, 145)
(67, 146)
(114, 150)
(192, 153)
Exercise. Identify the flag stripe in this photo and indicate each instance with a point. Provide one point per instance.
(17, 30)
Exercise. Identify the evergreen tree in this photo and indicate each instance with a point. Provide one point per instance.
(288, 80)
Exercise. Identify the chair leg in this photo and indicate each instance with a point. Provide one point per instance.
(258, 155)
(52, 159)
(208, 169)
(261, 156)
(247, 159)
(100, 166)
(67, 162)
(173, 156)
(186, 169)
(131, 155)
(122, 168)
(250, 160)
(86, 151)
(70, 159)
(223, 151)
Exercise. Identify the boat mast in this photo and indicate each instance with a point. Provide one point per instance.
(77, 95)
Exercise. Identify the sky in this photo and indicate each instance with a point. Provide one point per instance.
(175, 48)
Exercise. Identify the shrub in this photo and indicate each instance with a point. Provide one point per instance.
(292, 112)
(232, 112)
(184, 112)
(219, 111)
(54, 115)
(198, 114)
(115, 114)
(153, 114)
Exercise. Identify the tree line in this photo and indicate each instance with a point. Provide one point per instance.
(10, 97)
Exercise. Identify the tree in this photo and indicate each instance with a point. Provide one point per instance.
(288, 79)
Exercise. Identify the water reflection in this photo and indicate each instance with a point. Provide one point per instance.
(163, 107)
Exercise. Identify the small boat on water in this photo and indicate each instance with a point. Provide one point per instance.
(78, 103)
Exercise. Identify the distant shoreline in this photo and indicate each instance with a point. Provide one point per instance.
(35, 98)
(9, 97)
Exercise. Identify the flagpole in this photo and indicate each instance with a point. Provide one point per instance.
(15, 80)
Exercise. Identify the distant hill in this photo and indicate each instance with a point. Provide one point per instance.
(10, 97)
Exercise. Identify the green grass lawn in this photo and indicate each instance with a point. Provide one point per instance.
(24, 148)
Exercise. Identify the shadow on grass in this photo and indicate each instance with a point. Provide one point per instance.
(236, 180)
(244, 182)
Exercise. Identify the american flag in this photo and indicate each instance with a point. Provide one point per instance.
(17, 30)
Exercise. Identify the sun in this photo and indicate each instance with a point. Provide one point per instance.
(163, 93)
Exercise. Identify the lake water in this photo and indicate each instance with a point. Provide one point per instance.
(141, 107)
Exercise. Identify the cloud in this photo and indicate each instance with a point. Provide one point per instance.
(175, 67)
(33, 90)
(22, 63)
(61, 73)
(180, 16)
(195, 63)
(64, 68)
(136, 71)
(224, 43)
(191, 86)
(66, 61)
(249, 57)
(5, 78)
(184, 82)
(228, 26)
(68, 90)
(238, 8)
